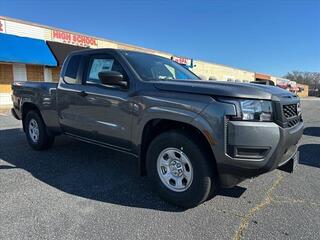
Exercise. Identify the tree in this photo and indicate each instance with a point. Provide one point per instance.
(312, 79)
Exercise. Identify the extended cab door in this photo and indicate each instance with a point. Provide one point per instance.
(98, 112)
(69, 95)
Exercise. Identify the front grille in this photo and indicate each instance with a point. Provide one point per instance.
(293, 122)
(290, 111)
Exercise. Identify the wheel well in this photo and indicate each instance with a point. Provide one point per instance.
(156, 126)
(27, 107)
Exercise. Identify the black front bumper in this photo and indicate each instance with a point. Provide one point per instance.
(274, 146)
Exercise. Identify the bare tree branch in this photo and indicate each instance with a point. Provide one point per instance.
(312, 79)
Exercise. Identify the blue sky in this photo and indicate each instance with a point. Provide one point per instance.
(264, 36)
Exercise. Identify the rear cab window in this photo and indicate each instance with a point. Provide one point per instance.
(71, 73)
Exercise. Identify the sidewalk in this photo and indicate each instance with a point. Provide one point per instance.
(5, 110)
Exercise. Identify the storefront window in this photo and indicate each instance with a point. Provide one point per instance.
(55, 74)
(35, 73)
(6, 78)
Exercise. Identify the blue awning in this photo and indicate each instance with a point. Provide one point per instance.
(25, 50)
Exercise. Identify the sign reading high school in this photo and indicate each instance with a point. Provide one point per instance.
(74, 39)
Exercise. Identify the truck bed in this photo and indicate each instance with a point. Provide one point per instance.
(41, 95)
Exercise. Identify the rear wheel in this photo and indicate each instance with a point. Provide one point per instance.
(180, 169)
(36, 132)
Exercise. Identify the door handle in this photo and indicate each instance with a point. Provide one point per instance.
(83, 94)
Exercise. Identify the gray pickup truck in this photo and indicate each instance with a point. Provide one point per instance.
(189, 136)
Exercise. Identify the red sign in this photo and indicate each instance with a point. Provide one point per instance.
(73, 39)
(181, 60)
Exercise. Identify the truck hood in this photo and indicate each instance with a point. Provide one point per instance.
(225, 89)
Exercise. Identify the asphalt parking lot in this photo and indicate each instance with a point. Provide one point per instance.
(79, 191)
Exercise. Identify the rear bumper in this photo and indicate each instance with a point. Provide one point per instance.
(254, 148)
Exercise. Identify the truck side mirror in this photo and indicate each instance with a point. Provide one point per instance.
(112, 78)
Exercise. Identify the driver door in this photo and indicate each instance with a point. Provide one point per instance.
(104, 110)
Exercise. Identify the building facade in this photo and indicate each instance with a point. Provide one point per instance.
(22, 42)
(211, 71)
(33, 52)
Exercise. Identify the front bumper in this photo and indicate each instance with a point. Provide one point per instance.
(254, 148)
(14, 114)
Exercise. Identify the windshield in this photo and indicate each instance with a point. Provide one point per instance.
(152, 67)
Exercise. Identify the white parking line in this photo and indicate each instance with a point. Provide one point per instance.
(310, 99)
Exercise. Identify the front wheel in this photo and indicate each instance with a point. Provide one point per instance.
(36, 132)
(180, 168)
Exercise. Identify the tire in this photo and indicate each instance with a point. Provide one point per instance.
(193, 189)
(36, 132)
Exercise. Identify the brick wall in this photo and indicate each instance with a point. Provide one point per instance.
(35, 73)
(6, 78)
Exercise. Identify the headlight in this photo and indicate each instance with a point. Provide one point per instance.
(299, 108)
(251, 110)
(256, 110)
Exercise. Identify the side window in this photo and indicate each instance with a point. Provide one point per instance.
(161, 71)
(100, 64)
(70, 75)
(172, 71)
